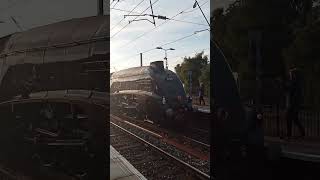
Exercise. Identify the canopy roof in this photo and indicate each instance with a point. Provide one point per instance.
(69, 37)
(65, 32)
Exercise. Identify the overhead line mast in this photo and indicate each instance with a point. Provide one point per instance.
(197, 4)
(164, 18)
(154, 21)
(152, 15)
(100, 7)
(129, 23)
(128, 14)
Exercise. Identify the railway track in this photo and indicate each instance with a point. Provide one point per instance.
(195, 137)
(155, 159)
(195, 127)
(180, 141)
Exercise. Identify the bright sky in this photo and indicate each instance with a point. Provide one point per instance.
(33, 13)
(125, 52)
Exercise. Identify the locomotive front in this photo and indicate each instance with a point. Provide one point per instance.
(169, 87)
(150, 92)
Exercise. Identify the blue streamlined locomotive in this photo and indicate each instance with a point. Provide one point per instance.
(154, 93)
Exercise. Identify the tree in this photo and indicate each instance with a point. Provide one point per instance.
(304, 53)
(274, 19)
(199, 66)
(205, 79)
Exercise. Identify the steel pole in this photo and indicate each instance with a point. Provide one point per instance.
(141, 59)
(166, 59)
(100, 7)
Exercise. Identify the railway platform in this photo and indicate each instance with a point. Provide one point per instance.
(121, 169)
(204, 109)
(304, 149)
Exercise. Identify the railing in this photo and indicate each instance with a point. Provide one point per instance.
(275, 123)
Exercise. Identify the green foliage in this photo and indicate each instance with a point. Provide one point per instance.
(304, 53)
(278, 22)
(205, 79)
(200, 68)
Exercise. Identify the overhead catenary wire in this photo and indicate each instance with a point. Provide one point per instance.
(128, 12)
(123, 10)
(167, 43)
(187, 10)
(181, 12)
(196, 51)
(177, 40)
(195, 9)
(116, 3)
(189, 22)
(133, 19)
(178, 20)
(187, 54)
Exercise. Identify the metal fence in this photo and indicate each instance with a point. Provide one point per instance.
(195, 100)
(275, 123)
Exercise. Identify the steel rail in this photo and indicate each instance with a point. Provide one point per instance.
(196, 141)
(197, 171)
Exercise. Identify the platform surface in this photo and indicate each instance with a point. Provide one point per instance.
(121, 169)
(204, 109)
(305, 149)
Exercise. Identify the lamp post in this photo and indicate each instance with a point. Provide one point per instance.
(165, 58)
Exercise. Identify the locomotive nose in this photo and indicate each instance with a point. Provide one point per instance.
(169, 113)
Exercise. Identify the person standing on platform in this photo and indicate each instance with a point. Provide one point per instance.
(294, 101)
(201, 94)
(255, 142)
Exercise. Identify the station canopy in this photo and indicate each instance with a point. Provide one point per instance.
(66, 40)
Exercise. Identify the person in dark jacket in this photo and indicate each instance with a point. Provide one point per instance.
(255, 142)
(201, 94)
(295, 98)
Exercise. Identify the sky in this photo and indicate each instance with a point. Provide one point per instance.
(125, 52)
(33, 13)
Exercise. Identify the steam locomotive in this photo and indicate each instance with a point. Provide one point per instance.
(150, 92)
(53, 86)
